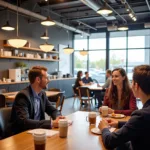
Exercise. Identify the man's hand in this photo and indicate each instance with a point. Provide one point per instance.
(55, 122)
(112, 122)
(103, 124)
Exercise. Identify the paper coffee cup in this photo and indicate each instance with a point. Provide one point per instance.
(63, 128)
(39, 139)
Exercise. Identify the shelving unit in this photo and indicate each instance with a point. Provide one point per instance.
(25, 58)
(32, 49)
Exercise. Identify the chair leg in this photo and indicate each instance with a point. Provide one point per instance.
(81, 103)
(74, 99)
(58, 101)
(62, 104)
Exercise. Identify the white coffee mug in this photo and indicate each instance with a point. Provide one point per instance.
(104, 111)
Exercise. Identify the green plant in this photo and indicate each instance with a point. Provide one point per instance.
(21, 64)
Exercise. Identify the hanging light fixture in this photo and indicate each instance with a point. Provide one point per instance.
(83, 52)
(68, 50)
(7, 26)
(123, 28)
(45, 35)
(104, 10)
(17, 42)
(48, 21)
(46, 47)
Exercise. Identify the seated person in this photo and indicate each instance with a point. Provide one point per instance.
(31, 103)
(87, 79)
(78, 82)
(106, 85)
(108, 81)
(134, 134)
(119, 96)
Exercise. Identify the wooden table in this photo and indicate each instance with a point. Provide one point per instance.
(94, 87)
(79, 137)
(11, 95)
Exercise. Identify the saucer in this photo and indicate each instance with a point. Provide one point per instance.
(96, 131)
(117, 116)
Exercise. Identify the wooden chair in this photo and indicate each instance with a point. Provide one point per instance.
(7, 102)
(5, 114)
(2, 101)
(57, 100)
(75, 95)
(84, 96)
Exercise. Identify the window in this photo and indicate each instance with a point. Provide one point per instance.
(97, 61)
(97, 41)
(80, 63)
(118, 40)
(117, 59)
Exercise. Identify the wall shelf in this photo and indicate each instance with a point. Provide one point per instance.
(32, 49)
(25, 58)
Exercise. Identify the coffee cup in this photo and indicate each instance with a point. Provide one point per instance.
(63, 128)
(104, 111)
(91, 118)
(39, 140)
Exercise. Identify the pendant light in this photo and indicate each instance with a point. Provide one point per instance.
(17, 42)
(45, 35)
(7, 26)
(83, 52)
(48, 21)
(123, 27)
(46, 47)
(68, 50)
(104, 10)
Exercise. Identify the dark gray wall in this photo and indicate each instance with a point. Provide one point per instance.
(32, 33)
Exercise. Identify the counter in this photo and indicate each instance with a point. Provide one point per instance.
(65, 84)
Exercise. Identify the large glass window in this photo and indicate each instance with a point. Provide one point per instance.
(97, 65)
(80, 63)
(118, 40)
(80, 43)
(117, 59)
(134, 60)
(97, 41)
(139, 39)
(125, 52)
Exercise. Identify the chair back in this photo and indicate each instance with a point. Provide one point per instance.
(5, 114)
(2, 101)
(58, 100)
(84, 92)
(55, 89)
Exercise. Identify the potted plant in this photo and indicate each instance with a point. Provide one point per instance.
(22, 66)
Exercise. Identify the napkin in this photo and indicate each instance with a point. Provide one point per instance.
(49, 133)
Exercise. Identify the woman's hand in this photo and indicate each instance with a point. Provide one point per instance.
(103, 124)
(110, 111)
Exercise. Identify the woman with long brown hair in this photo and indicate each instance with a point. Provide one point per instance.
(135, 133)
(119, 97)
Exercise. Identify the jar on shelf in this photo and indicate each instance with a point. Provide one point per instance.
(1, 52)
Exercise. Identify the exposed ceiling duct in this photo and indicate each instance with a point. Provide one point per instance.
(40, 17)
(95, 6)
